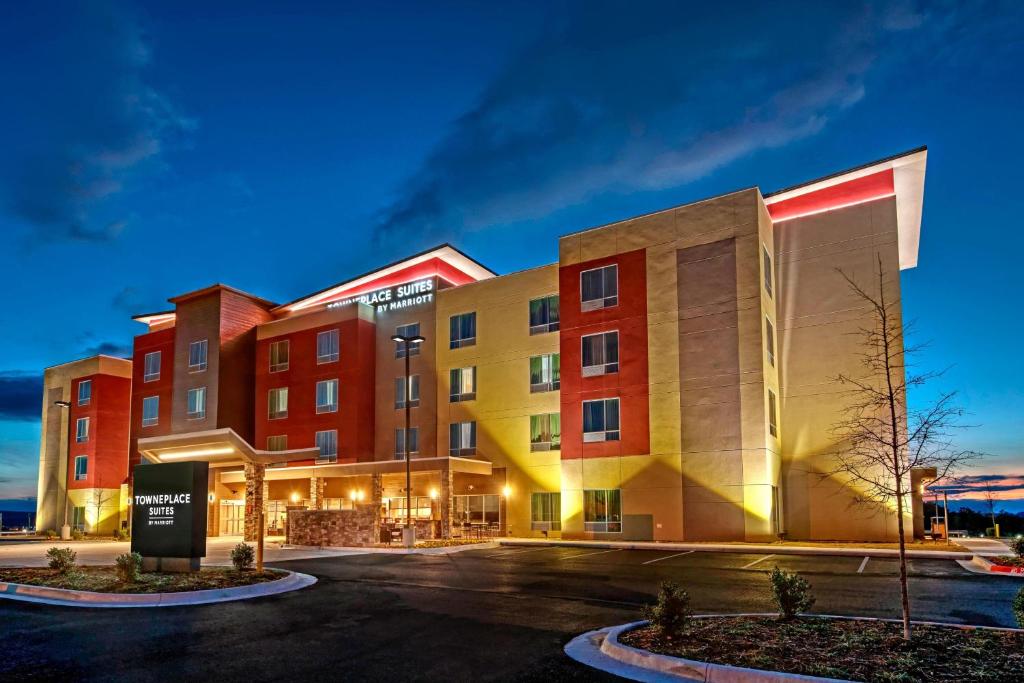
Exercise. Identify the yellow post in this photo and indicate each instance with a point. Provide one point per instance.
(259, 543)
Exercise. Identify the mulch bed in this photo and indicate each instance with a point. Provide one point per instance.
(845, 649)
(450, 543)
(1007, 561)
(104, 579)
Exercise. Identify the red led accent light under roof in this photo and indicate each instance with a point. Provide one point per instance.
(434, 266)
(856, 191)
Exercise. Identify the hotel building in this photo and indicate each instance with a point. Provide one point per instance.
(669, 378)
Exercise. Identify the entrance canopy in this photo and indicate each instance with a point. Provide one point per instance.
(219, 447)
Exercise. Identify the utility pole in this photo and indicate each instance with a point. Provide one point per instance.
(65, 531)
(409, 532)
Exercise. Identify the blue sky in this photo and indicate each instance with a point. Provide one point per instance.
(150, 149)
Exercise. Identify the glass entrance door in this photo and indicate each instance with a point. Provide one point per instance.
(232, 517)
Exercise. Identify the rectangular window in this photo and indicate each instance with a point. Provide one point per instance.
(546, 432)
(410, 330)
(602, 510)
(327, 346)
(81, 467)
(277, 403)
(197, 356)
(462, 329)
(601, 420)
(544, 314)
(278, 442)
(84, 392)
(327, 442)
(462, 438)
(546, 511)
(773, 427)
(599, 288)
(769, 341)
(150, 411)
(463, 384)
(196, 403)
(279, 355)
(151, 366)
(78, 517)
(414, 442)
(600, 353)
(545, 373)
(413, 395)
(767, 262)
(476, 509)
(327, 396)
(82, 429)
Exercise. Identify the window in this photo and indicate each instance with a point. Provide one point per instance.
(327, 442)
(82, 429)
(599, 288)
(150, 411)
(414, 442)
(410, 330)
(545, 374)
(463, 385)
(462, 438)
(767, 260)
(278, 442)
(476, 509)
(422, 508)
(462, 329)
(601, 420)
(773, 427)
(81, 467)
(327, 345)
(546, 511)
(769, 341)
(546, 432)
(151, 366)
(413, 394)
(279, 355)
(197, 356)
(84, 392)
(602, 510)
(78, 517)
(544, 314)
(277, 403)
(327, 396)
(600, 353)
(196, 403)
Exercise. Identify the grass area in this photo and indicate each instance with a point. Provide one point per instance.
(104, 579)
(937, 546)
(846, 649)
(451, 542)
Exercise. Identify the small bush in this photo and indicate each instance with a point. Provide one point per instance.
(61, 559)
(1018, 607)
(243, 556)
(1017, 546)
(50, 534)
(77, 535)
(123, 535)
(671, 614)
(128, 567)
(791, 593)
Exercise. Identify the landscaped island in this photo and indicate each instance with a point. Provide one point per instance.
(105, 579)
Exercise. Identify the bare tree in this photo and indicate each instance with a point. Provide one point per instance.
(98, 500)
(990, 501)
(882, 438)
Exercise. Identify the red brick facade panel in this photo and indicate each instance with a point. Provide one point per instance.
(107, 445)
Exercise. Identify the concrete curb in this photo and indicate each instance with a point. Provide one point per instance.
(980, 565)
(358, 550)
(64, 597)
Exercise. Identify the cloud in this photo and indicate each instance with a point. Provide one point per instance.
(21, 396)
(978, 486)
(109, 348)
(92, 123)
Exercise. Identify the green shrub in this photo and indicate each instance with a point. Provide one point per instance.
(123, 535)
(1018, 607)
(243, 556)
(671, 614)
(77, 535)
(61, 559)
(128, 567)
(791, 593)
(1017, 546)
(50, 534)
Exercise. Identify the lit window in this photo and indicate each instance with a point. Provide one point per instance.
(414, 442)
(545, 373)
(327, 442)
(84, 392)
(196, 403)
(197, 356)
(407, 331)
(151, 366)
(327, 345)
(462, 438)
(600, 353)
(601, 420)
(279, 355)
(81, 467)
(546, 432)
(278, 442)
(546, 511)
(599, 288)
(150, 411)
(277, 403)
(414, 391)
(78, 516)
(544, 314)
(767, 264)
(602, 510)
(773, 427)
(463, 385)
(82, 429)
(327, 396)
(769, 341)
(462, 330)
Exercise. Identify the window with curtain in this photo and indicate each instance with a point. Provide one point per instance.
(150, 411)
(414, 442)
(413, 394)
(84, 392)
(278, 442)
(151, 366)
(277, 403)
(197, 355)
(462, 438)
(546, 511)
(602, 510)
(545, 432)
(544, 314)
(327, 396)
(462, 330)
(545, 373)
(82, 429)
(81, 467)
(600, 353)
(773, 427)
(601, 420)
(279, 355)
(767, 266)
(599, 288)
(327, 442)
(462, 385)
(196, 403)
(327, 346)
(769, 341)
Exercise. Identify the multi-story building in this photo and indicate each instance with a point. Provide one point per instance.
(669, 378)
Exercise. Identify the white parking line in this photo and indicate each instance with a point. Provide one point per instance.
(599, 552)
(668, 557)
(863, 564)
(760, 559)
(518, 552)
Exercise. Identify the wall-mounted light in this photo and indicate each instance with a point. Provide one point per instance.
(507, 491)
(295, 497)
(433, 494)
(212, 497)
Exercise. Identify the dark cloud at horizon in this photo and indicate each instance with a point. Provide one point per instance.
(978, 486)
(21, 395)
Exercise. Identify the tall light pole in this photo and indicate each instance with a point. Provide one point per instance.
(65, 531)
(409, 532)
